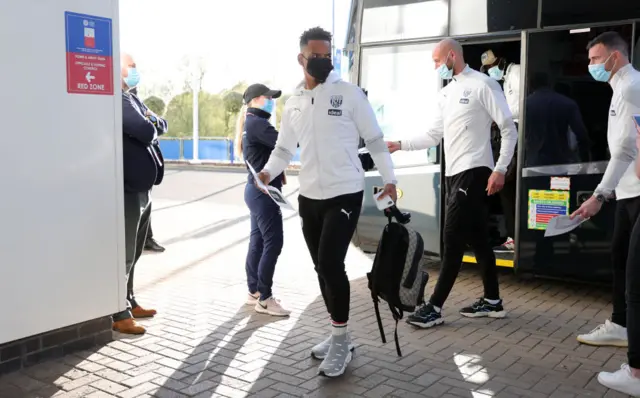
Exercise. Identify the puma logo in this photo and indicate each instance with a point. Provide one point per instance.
(464, 191)
(348, 214)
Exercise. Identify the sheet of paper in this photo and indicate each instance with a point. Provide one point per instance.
(273, 192)
(562, 224)
(279, 198)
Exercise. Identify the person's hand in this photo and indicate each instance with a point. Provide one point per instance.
(284, 179)
(393, 146)
(589, 208)
(264, 177)
(389, 191)
(496, 182)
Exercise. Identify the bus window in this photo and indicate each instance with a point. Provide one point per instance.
(575, 130)
(472, 16)
(569, 12)
(403, 19)
(402, 84)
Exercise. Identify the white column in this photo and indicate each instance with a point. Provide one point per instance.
(196, 133)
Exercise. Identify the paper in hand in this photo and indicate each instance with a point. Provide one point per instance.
(562, 224)
(273, 192)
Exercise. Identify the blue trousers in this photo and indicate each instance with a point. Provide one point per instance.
(265, 242)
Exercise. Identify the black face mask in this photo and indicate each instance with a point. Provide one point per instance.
(319, 68)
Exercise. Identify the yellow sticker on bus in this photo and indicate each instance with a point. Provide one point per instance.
(499, 261)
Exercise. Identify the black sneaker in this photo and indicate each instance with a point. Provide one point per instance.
(153, 246)
(425, 317)
(483, 308)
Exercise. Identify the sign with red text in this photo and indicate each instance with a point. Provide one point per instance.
(89, 54)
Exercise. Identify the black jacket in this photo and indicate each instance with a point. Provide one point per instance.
(142, 159)
(259, 141)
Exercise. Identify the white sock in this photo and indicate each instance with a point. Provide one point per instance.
(438, 309)
(494, 302)
(338, 329)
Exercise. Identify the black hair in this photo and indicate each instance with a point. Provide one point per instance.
(612, 41)
(316, 33)
(539, 80)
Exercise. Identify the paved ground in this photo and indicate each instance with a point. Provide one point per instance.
(205, 343)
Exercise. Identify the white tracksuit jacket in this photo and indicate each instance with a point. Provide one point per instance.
(328, 123)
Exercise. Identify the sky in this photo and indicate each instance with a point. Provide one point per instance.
(238, 40)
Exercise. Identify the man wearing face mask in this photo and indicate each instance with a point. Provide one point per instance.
(150, 244)
(609, 62)
(327, 117)
(466, 108)
(143, 168)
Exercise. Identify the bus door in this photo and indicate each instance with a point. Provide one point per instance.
(402, 88)
(564, 154)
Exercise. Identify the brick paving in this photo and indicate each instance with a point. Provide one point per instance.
(206, 343)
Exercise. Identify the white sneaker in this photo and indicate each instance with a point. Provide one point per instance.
(252, 299)
(622, 381)
(271, 306)
(608, 334)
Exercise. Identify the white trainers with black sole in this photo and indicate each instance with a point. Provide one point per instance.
(271, 306)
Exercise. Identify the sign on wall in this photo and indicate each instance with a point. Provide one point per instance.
(89, 54)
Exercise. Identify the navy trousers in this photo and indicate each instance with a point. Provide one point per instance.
(265, 242)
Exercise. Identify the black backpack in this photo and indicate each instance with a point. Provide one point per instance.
(397, 276)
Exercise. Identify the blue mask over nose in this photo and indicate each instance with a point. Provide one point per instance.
(599, 73)
(268, 105)
(496, 73)
(133, 78)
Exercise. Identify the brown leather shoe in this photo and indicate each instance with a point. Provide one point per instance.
(139, 312)
(128, 326)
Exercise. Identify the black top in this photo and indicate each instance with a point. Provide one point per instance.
(259, 141)
(143, 165)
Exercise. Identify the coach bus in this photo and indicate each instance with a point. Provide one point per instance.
(388, 48)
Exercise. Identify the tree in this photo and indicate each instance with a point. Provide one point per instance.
(156, 105)
(211, 115)
(232, 102)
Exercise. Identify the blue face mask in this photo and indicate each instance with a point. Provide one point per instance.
(496, 73)
(268, 105)
(133, 78)
(599, 73)
(444, 71)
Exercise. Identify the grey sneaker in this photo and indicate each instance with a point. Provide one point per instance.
(320, 350)
(338, 357)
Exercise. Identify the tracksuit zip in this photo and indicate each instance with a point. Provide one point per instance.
(315, 142)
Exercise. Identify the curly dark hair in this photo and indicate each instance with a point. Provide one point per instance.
(316, 33)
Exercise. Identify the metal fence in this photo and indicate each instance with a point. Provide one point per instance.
(210, 149)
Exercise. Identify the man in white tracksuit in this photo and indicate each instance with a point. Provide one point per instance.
(466, 108)
(609, 56)
(327, 117)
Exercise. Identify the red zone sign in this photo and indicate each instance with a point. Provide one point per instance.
(89, 54)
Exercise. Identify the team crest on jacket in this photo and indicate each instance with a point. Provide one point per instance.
(336, 101)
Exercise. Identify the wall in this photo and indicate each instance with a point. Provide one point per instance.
(62, 237)
(216, 150)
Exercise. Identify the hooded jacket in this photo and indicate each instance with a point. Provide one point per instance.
(328, 122)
